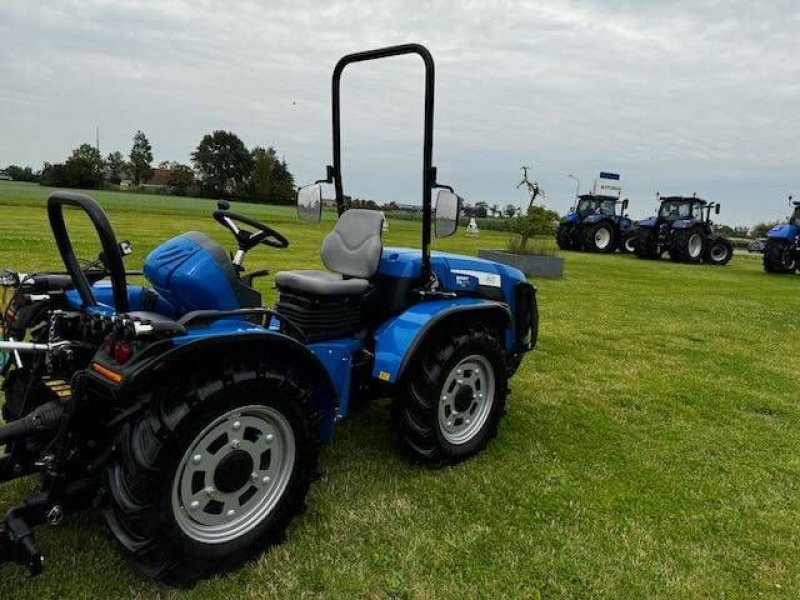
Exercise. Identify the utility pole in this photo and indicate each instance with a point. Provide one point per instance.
(97, 137)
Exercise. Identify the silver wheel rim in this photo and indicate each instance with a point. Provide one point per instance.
(208, 503)
(466, 399)
(602, 238)
(695, 245)
(719, 253)
(629, 245)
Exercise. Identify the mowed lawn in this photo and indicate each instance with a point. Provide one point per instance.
(651, 446)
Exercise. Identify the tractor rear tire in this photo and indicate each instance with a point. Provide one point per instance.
(720, 252)
(778, 258)
(563, 238)
(601, 238)
(646, 244)
(451, 400)
(688, 246)
(183, 507)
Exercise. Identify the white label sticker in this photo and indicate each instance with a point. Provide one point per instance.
(484, 278)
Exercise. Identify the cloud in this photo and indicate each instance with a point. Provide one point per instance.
(680, 97)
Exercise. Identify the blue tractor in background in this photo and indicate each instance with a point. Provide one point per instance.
(683, 228)
(193, 416)
(593, 225)
(782, 249)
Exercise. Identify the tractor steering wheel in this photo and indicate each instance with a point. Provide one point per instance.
(247, 240)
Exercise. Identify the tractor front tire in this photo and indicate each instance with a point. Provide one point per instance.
(628, 245)
(720, 252)
(646, 244)
(563, 238)
(778, 258)
(451, 400)
(213, 471)
(688, 246)
(601, 238)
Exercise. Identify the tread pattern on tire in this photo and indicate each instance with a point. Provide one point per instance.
(645, 244)
(416, 405)
(773, 258)
(140, 477)
(679, 247)
(587, 239)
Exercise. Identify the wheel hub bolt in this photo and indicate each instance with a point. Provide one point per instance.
(230, 514)
(210, 490)
(270, 437)
(194, 505)
(234, 444)
(265, 479)
(253, 477)
(237, 425)
(197, 458)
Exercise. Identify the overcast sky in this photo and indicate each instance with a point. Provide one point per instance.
(679, 96)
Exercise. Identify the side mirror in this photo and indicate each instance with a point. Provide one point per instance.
(571, 210)
(446, 214)
(716, 209)
(309, 203)
(625, 205)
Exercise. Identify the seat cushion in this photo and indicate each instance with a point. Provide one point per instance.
(320, 283)
(354, 247)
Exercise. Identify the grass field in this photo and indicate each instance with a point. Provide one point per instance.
(651, 446)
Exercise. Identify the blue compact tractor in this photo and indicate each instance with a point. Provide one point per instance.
(683, 228)
(193, 416)
(593, 225)
(782, 250)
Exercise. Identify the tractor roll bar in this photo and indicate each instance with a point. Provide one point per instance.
(108, 241)
(428, 170)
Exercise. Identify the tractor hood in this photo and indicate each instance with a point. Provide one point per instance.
(784, 232)
(571, 218)
(648, 222)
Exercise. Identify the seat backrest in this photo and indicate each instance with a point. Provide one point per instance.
(354, 246)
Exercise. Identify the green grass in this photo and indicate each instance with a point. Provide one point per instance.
(651, 446)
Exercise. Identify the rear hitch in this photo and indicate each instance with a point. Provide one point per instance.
(18, 545)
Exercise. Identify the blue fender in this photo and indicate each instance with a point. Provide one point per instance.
(784, 232)
(397, 340)
(571, 218)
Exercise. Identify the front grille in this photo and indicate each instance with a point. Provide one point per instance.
(526, 316)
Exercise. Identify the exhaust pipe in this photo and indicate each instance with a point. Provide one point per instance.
(41, 419)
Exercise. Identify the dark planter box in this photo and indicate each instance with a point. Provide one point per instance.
(530, 264)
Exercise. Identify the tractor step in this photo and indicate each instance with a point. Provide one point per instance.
(61, 388)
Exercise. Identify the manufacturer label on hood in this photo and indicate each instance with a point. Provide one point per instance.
(484, 278)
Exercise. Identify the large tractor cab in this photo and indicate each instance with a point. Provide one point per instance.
(782, 249)
(193, 416)
(596, 224)
(683, 227)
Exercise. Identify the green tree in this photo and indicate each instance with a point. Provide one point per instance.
(271, 180)
(480, 210)
(538, 220)
(510, 210)
(117, 167)
(18, 173)
(141, 157)
(263, 165)
(180, 179)
(84, 168)
(223, 163)
(283, 190)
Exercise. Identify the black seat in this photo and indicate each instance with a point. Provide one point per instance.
(351, 253)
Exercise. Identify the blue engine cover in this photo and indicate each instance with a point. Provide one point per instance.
(784, 232)
(192, 272)
(571, 218)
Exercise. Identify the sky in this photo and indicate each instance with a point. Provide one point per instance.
(679, 97)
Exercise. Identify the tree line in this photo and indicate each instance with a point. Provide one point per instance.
(221, 166)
